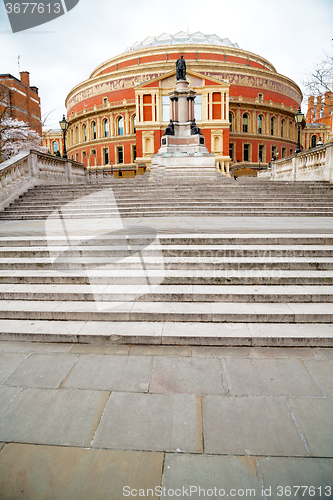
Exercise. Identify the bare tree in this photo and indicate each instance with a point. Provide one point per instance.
(320, 79)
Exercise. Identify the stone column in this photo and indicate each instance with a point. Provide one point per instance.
(153, 107)
(210, 115)
(158, 103)
(137, 108)
(141, 108)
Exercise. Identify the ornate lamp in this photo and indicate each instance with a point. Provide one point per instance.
(64, 126)
(299, 119)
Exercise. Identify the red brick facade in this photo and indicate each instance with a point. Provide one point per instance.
(262, 105)
(20, 100)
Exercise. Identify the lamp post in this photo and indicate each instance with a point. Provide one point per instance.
(299, 118)
(64, 126)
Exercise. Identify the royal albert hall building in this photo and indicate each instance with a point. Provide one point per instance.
(245, 109)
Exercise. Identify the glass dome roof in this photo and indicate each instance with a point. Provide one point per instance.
(182, 38)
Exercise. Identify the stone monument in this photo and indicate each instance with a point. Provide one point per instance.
(183, 151)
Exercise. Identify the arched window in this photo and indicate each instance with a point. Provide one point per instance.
(77, 135)
(106, 127)
(231, 120)
(272, 125)
(84, 132)
(134, 124)
(245, 122)
(260, 121)
(121, 126)
(93, 130)
(282, 128)
(55, 147)
(313, 141)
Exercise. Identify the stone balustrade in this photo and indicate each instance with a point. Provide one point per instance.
(311, 165)
(31, 168)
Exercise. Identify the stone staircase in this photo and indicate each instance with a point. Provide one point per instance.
(93, 263)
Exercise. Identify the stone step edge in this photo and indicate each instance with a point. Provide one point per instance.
(168, 333)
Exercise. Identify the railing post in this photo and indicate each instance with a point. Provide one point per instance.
(294, 168)
(328, 170)
(68, 171)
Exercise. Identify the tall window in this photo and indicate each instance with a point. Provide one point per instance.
(282, 128)
(106, 127)
(77, 135)
(231, 151)
(84, 132)
(133, 153)
(261, 153)
(120, 154)
(198, 108)
(259, 124)
(93, 130)
(245, 122)
(55, 147)
(246, 152)
(283, 152)
(165, 108)
(106, 156)
(134, 123)
(272, 125)
(313, 141)
(273, 151)
(231, 122)
(121, 126)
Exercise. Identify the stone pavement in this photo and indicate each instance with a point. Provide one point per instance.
(116, 421)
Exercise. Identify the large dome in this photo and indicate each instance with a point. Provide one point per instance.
(182, 38)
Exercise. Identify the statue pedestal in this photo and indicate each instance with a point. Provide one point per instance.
(183, 154)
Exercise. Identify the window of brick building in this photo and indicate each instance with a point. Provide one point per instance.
(245, 122)
(272, 125)
(120, 126)
(246, 152)
(93, 130)
(106, 127)
(120, 155)
(260, 120)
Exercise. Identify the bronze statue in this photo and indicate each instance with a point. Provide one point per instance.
(170, 130)
(195, 129)
(181, 69)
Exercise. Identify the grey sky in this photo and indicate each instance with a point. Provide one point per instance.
(292, 34)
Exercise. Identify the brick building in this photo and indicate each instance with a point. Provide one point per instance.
(20, 100)
(245, 109)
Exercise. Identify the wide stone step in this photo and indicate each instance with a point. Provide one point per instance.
(197, 251)
(169, 277)
(170, 333)
(167, 293)
(168, 311)
(180, 263)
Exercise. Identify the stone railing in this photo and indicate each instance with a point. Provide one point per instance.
(31, 168)
(311, 165)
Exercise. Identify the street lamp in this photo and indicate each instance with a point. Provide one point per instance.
(299, 118)
(64, 126)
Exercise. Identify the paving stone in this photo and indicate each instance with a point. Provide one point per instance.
(270, 377)
(325, 353)
(100, 349)
(281, 334)
(290, 472)
(285, 352)
(53, 416)
(29, 347)
(155, 422)
(7, 394)
(209, 472)
(314, 417)
(223, 352)
(250, 426)
(160, 350)
(9, 362)
(45, 472)
(42, 370)
(322, 372)
(188, 376)
(114, 373)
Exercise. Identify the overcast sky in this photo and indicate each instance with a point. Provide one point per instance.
(293, 35)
